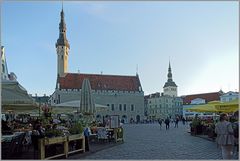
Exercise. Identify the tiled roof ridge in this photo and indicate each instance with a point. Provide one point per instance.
(103, 75)
(101, 82)
(201, 94)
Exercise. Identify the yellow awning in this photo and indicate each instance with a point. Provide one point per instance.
(228, 107)
(210, 107)
(216, 106)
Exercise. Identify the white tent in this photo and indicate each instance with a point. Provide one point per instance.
(72, 106)
(16, 98)
(76, 104)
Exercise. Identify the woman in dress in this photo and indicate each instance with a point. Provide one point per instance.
(225, 137)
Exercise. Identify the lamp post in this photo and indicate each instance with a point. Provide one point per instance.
(39, 109)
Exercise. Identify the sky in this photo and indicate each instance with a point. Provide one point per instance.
(121, 38)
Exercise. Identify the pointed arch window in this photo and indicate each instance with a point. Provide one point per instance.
(3, 68)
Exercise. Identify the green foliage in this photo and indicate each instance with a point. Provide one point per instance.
(196, 122)
(77, 128)
(53, 133)
(93, 124)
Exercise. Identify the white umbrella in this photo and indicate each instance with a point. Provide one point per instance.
(87, 104)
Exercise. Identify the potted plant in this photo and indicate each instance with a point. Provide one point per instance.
(77, 128)
(53, 133)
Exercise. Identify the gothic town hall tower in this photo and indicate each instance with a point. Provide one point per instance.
(62, 47)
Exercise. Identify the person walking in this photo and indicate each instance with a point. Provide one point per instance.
(160, 123)
(183, 120)
(167, 121)
(225, 137)
(176, 122)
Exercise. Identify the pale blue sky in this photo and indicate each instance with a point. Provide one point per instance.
(200, 38)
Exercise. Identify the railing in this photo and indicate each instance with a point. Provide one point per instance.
(42, 143)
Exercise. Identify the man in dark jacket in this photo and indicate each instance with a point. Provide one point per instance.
(167, 121)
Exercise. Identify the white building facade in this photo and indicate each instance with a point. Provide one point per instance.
(229, 96)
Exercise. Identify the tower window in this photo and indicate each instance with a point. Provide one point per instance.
(112, 107)
(62, 56)
(58, 98)
(132, 107)
(3, 68)
(125, 107)
(120, 107)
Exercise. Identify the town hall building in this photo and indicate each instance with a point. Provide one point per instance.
(123, 95)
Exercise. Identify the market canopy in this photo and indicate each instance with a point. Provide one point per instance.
(210, 107)
(15, 97)
(228, 107)
(217, 106)
(72, 106)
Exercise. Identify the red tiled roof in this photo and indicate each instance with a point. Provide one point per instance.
(100, 82)
(215, 96)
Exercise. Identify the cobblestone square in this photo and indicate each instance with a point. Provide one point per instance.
(147, 141)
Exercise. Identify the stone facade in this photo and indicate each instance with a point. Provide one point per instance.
(127, 104)
(62, 62)
(164, 106)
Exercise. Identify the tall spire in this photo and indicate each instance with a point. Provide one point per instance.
(169, 73)
(170, 81)
(62, 40)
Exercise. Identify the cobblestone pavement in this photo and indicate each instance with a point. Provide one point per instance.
(147, 141)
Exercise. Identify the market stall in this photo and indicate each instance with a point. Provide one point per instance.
(206, 126)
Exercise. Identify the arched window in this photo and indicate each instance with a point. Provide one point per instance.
(3, 68)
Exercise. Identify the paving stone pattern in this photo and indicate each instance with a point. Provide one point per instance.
(147, 141)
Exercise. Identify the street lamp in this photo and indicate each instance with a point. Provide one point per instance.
(39, 109)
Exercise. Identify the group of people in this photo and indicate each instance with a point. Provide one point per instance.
(227, 133)
(167, 122)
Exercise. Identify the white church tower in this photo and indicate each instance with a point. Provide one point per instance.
(62, 47)
(170, 88)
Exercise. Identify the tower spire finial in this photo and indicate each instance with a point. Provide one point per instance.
(137, 69)
(62, 5)
(169, 63)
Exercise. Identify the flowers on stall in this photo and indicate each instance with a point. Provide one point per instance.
(76, 128)
(53, 133)
(47, 111)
